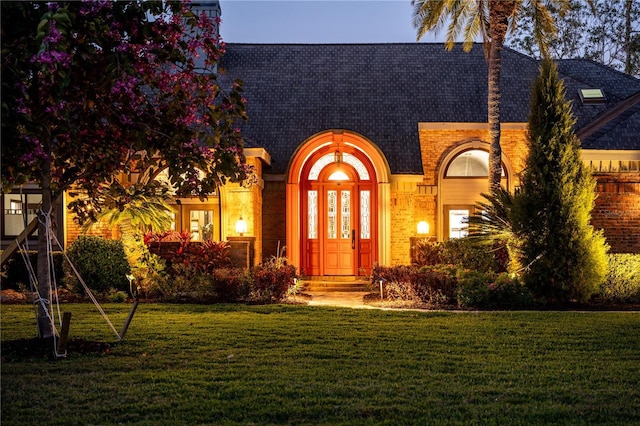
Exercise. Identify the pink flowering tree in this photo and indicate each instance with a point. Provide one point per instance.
(96, 88)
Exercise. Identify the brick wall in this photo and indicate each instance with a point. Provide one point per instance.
(246, 202)
(437, 144)
(274, 229)
(410, 203)
(617, 211)
(403, 225)
(73, 230)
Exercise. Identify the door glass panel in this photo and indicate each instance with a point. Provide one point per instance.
(458, 223)
(346, 214)
(332, 206)
(365, 214)
(312, 214)
(201, 225)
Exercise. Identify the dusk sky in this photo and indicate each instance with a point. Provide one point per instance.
(318, 21)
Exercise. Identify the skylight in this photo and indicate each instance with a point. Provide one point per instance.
(592, 96)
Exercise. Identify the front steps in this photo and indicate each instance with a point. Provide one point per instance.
(336, 284)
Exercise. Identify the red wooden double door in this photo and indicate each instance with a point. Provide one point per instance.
(338, 222)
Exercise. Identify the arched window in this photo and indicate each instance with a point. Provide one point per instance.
(472, 163)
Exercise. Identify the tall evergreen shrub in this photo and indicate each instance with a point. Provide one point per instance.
(564, 256)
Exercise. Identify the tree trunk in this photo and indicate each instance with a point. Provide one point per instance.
(499, 12)
(627, 37)
(45, 329)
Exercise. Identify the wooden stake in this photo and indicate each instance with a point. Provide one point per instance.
(64, 333)
(129, 318)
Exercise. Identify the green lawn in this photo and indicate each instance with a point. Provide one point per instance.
(234, 364)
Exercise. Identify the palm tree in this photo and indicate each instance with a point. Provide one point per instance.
(492, 226)
(135, 209)
(491, 20)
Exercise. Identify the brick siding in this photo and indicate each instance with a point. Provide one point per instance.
(617, 211)
(274, 228)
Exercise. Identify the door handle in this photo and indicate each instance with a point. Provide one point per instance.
(353, 238)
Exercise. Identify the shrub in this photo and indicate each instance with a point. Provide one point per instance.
(201, 272)
(181, 285)
(492, 291)
(622, 283)
(116, 296)
(101, 263)
(231, 284)
(270, 282)
(210, 255)
(150, 274)
(221, 285)
(177, 248)
(434, 285)
(426, 252)
(465, 253)
(462, 252)
(15, 275)
(473, 289)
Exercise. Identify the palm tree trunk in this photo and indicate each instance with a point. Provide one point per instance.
(499, 12)
(627, 37)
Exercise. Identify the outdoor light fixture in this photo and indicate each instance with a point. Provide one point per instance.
(423, 228)
(337, 156)
(241, 226)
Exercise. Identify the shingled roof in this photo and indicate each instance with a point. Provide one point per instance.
(382, 91)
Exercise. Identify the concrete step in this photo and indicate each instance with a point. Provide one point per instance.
(340, 278)
(336, 286)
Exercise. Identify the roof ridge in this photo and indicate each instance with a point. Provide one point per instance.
(522, 54)
(608, 115)
(608, 68)
(410, 43)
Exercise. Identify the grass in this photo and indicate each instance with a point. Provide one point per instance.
(286, 364)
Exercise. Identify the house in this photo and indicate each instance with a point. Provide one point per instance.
(367, 141)
(361, 148)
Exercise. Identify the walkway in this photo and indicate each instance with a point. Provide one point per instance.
(346, 299)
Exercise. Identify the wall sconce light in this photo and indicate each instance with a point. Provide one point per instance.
(241, 226)
(423, 228)
(337, 156)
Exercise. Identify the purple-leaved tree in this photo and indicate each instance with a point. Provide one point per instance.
(96, 88)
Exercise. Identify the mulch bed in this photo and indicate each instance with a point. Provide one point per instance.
(36, 348)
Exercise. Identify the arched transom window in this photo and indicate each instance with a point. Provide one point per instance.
(347, 158)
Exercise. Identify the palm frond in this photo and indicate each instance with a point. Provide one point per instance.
(428, 15)
(492, 221)
(140, 206)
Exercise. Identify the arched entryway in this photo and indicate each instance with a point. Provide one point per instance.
(337, 223)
